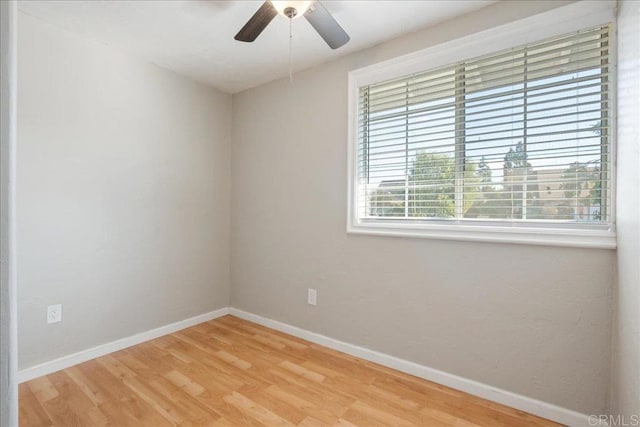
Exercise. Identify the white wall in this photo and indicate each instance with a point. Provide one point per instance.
(8, 305)
(532, 320)
(625, 378)
(123, 194)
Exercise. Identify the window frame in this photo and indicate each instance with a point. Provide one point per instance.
(557, 22)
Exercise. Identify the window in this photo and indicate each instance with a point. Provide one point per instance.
(517, 141)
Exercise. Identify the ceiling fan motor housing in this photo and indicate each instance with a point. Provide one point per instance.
(290, 12)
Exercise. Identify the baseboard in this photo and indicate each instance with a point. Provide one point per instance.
(517, 401)
(91, 353)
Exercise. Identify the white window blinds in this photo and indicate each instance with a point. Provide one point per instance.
(521, 135)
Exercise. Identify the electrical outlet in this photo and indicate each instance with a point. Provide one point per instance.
(54, 313)
(312, 297)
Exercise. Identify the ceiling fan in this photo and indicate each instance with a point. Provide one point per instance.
(313, 11)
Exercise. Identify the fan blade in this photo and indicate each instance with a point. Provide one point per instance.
(328, 28)
(257, 23)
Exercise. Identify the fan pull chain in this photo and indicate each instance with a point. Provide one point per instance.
(290, 51)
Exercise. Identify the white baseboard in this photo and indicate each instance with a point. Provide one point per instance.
(517, 401)
(91, 353)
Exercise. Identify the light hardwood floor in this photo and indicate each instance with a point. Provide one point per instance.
(230, 372)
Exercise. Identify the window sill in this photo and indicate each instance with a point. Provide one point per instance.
(516, 234)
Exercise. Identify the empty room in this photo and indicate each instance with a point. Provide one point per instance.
(320, 213)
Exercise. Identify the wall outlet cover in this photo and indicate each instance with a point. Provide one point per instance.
(54, 313)
(312, 297)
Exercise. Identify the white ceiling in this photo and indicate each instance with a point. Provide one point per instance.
(195, 38)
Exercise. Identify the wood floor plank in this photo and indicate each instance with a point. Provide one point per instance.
(72, 406)
(280, 407)
(255, 410)
(123, 407)
(31, 412)
(231, 372)
(171, 386)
